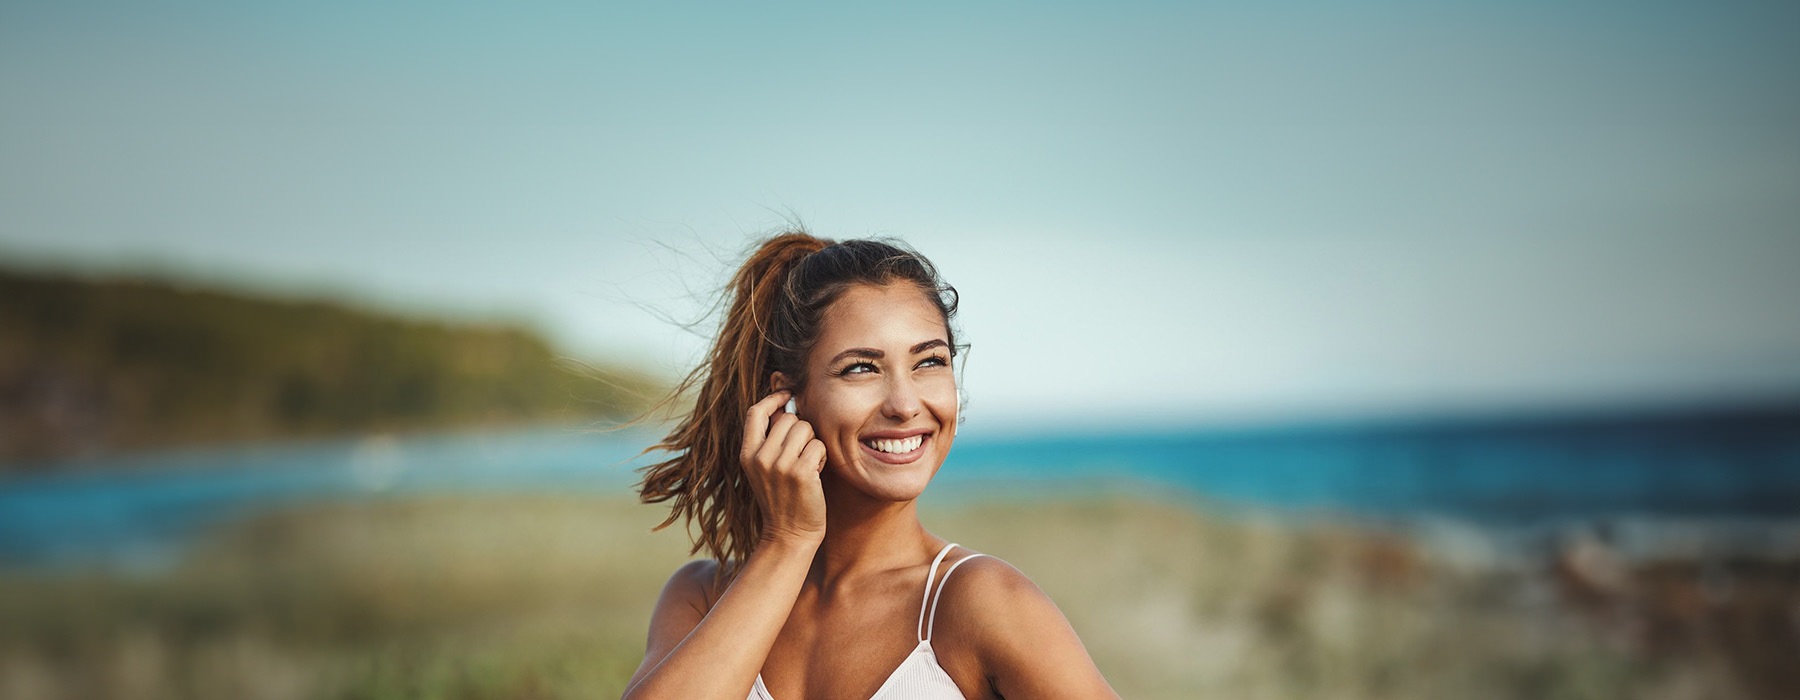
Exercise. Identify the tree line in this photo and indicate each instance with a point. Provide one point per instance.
(101, 365)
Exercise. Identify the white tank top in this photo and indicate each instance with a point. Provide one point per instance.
(919, 677)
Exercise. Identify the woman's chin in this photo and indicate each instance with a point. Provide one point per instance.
(891, 482)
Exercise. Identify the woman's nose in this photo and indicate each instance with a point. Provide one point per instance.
(903, 401)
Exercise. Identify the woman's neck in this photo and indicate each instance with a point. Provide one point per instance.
(864, 536)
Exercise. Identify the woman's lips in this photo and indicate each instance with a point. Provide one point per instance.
(896, 457)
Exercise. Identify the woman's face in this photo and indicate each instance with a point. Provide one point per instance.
(879, 390)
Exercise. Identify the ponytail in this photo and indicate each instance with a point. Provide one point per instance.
(704, 479)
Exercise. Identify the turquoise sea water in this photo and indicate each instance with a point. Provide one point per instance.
(1736, 464)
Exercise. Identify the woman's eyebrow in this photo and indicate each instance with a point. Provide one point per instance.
(929, 344)
(867, 353)
(874, 354)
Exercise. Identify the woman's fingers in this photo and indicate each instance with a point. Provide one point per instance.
(768, 454)
(774, 439)
(757, 420)
(813, 455)
(797, 436)
(782, 460)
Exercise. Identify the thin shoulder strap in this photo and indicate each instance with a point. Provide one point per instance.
(940, 593)
(929, 577)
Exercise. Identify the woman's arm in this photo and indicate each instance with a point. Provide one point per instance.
(694, 652)
(697, 652)
(1021, 644)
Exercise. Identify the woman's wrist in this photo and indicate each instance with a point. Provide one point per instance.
(782, 544)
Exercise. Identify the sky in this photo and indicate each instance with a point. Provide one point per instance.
(1156, 213)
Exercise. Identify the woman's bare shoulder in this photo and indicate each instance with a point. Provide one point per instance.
(1011, 634)
(984, 585)
(696, 584)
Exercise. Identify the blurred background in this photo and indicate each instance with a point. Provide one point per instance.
(1390, 350)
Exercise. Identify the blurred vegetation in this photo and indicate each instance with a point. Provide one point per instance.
(90, 366)
(549, 597)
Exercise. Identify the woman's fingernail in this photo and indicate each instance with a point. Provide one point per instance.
(790, 406)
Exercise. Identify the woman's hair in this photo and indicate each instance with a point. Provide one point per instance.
(774, 306)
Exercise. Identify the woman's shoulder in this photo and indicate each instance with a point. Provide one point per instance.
(990, 594)
(995, 627)
(980, 576)
(697, 582)
(696, 571)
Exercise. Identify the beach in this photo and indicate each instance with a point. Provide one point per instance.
(546, 596)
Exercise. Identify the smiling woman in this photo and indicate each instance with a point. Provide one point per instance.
(826, 406)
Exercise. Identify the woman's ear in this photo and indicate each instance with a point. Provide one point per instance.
(779, 382)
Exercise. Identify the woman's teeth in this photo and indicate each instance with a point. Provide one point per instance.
(900, 446)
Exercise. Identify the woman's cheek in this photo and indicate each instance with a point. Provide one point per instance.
(943, 397)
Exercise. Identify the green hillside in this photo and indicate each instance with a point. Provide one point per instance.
(104, 365)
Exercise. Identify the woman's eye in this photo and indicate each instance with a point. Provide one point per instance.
(934, 361)
(858, 368)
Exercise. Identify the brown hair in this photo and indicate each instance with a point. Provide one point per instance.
(774, 305)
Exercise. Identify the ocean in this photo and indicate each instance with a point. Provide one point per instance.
(1739, 467)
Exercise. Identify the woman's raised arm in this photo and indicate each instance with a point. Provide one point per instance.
(701, 652)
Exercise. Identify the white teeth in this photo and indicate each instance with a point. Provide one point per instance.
(901, 446)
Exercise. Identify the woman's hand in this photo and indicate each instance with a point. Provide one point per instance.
(782, 460)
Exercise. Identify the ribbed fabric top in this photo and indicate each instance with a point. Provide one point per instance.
(919, 677)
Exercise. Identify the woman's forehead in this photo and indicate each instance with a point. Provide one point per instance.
(898, 314)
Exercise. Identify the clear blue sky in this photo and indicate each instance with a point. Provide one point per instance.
(1156, 212)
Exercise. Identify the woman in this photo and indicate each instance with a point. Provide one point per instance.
(825, 407)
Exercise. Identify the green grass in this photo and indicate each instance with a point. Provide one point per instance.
(548, 597)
